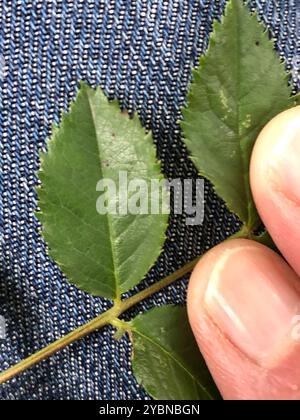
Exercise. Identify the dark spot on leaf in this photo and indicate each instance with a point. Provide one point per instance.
(257, 43)
(125, 113)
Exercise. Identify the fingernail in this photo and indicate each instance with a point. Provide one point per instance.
(285, 162)
(253, 309)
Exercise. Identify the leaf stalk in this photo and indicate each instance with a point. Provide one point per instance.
(108, 317)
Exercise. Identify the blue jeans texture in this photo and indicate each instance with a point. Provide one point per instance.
(141, 52)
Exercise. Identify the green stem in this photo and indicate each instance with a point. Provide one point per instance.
(63, 342)
(156, 287)
(106, 318)
(109, 317)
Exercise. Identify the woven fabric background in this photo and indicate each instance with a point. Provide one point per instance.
(142, 52)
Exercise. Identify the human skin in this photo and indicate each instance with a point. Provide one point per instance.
(243, 298)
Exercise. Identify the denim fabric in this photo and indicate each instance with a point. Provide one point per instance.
(142, 52)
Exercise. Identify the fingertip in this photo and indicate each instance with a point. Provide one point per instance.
(242, 298)
(274, 176)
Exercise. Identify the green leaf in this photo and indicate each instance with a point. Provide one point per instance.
(297, 99)
(265, 239)
(166, 358)
(108, 254)
(239, 86)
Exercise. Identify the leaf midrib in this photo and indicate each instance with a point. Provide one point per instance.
(108, 218)
(178, 362)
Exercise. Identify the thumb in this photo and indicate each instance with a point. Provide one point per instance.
(244, 307)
